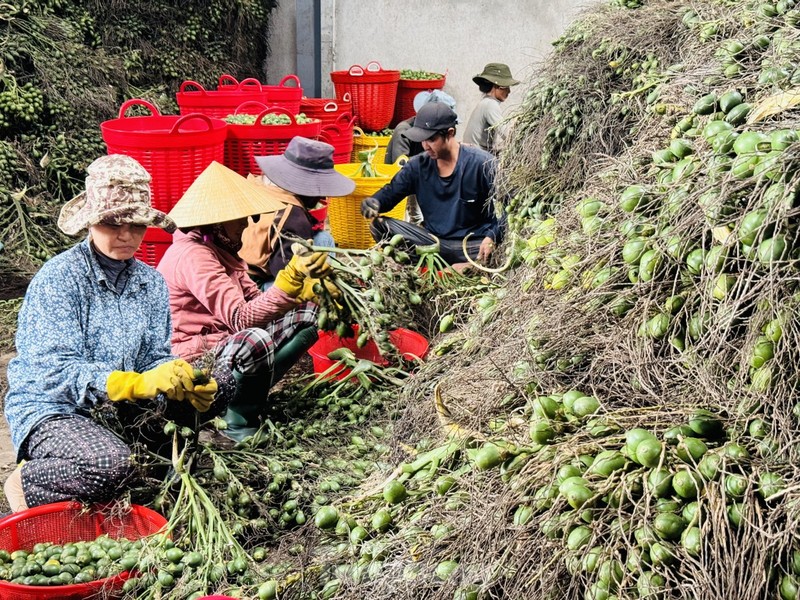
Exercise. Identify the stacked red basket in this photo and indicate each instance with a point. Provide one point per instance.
(173, 149)
(245, 142)
(373, 91)
(407, 90)
(339, 134)
(219, 103)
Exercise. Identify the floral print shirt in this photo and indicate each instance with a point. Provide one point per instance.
(74, 329)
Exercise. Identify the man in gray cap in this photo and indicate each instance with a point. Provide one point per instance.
(483, 128)
(454, 184)
(400, 145)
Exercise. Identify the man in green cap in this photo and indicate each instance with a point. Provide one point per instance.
(483, 128)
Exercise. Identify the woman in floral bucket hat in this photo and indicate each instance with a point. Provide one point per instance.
(94, 331)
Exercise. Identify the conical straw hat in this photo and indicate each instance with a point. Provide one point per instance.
(220, 194)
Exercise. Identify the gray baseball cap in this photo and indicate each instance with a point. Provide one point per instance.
(432, 117)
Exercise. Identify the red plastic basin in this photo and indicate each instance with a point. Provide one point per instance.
(64, 522)
(412, 346)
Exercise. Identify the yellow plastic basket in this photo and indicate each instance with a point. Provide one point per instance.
(362, 141)
(348, 228)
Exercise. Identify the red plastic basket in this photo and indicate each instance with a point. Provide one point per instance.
(65, 522)
(339, 135)
(173, 149)
(373, 91)
(412, 346)
(153, 246)
(245, 142)
(287, 96)
(407, 90)
(221, 102)
(327, 110)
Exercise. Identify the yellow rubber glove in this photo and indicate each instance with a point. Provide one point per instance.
(307, 294)
(292, 278)
(202, 396)
(171, 378)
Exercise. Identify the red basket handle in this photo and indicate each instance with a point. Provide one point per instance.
(260, 105)
(294, 78)
(326, 132)
(371, 66)
(332, 128)
(356, 71)
(347, 120)
(226, 79)
(330, 107)
(250, 82)
(176, 128)
(278, 110)
(199, 87)
(346, 97)
(138, 102)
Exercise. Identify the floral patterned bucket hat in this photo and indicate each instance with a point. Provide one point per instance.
(117, 191)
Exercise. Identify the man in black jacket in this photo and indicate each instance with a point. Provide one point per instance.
(454, 185)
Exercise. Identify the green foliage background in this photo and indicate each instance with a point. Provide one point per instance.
(68, 65)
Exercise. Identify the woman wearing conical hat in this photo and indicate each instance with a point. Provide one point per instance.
(217, 310)
(93, 333)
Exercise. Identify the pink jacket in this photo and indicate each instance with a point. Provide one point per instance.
(206, 287)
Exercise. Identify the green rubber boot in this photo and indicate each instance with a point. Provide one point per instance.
(291, 351)
(246, 405)
(250, 399)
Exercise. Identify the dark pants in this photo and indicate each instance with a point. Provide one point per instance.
(72, 457)
(251, 351)
(384, 228)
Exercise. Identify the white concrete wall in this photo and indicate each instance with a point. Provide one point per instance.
(456, 37)
(283, 42)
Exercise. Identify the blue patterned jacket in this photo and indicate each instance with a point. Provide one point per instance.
(74, 329)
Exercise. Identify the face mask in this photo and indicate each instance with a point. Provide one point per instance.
(309, 201)
(220, 238)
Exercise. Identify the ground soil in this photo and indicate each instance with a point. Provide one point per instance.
(13, 285)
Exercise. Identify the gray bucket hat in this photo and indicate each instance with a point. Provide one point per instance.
(306, 168)
(496, 73)
(117, 191)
